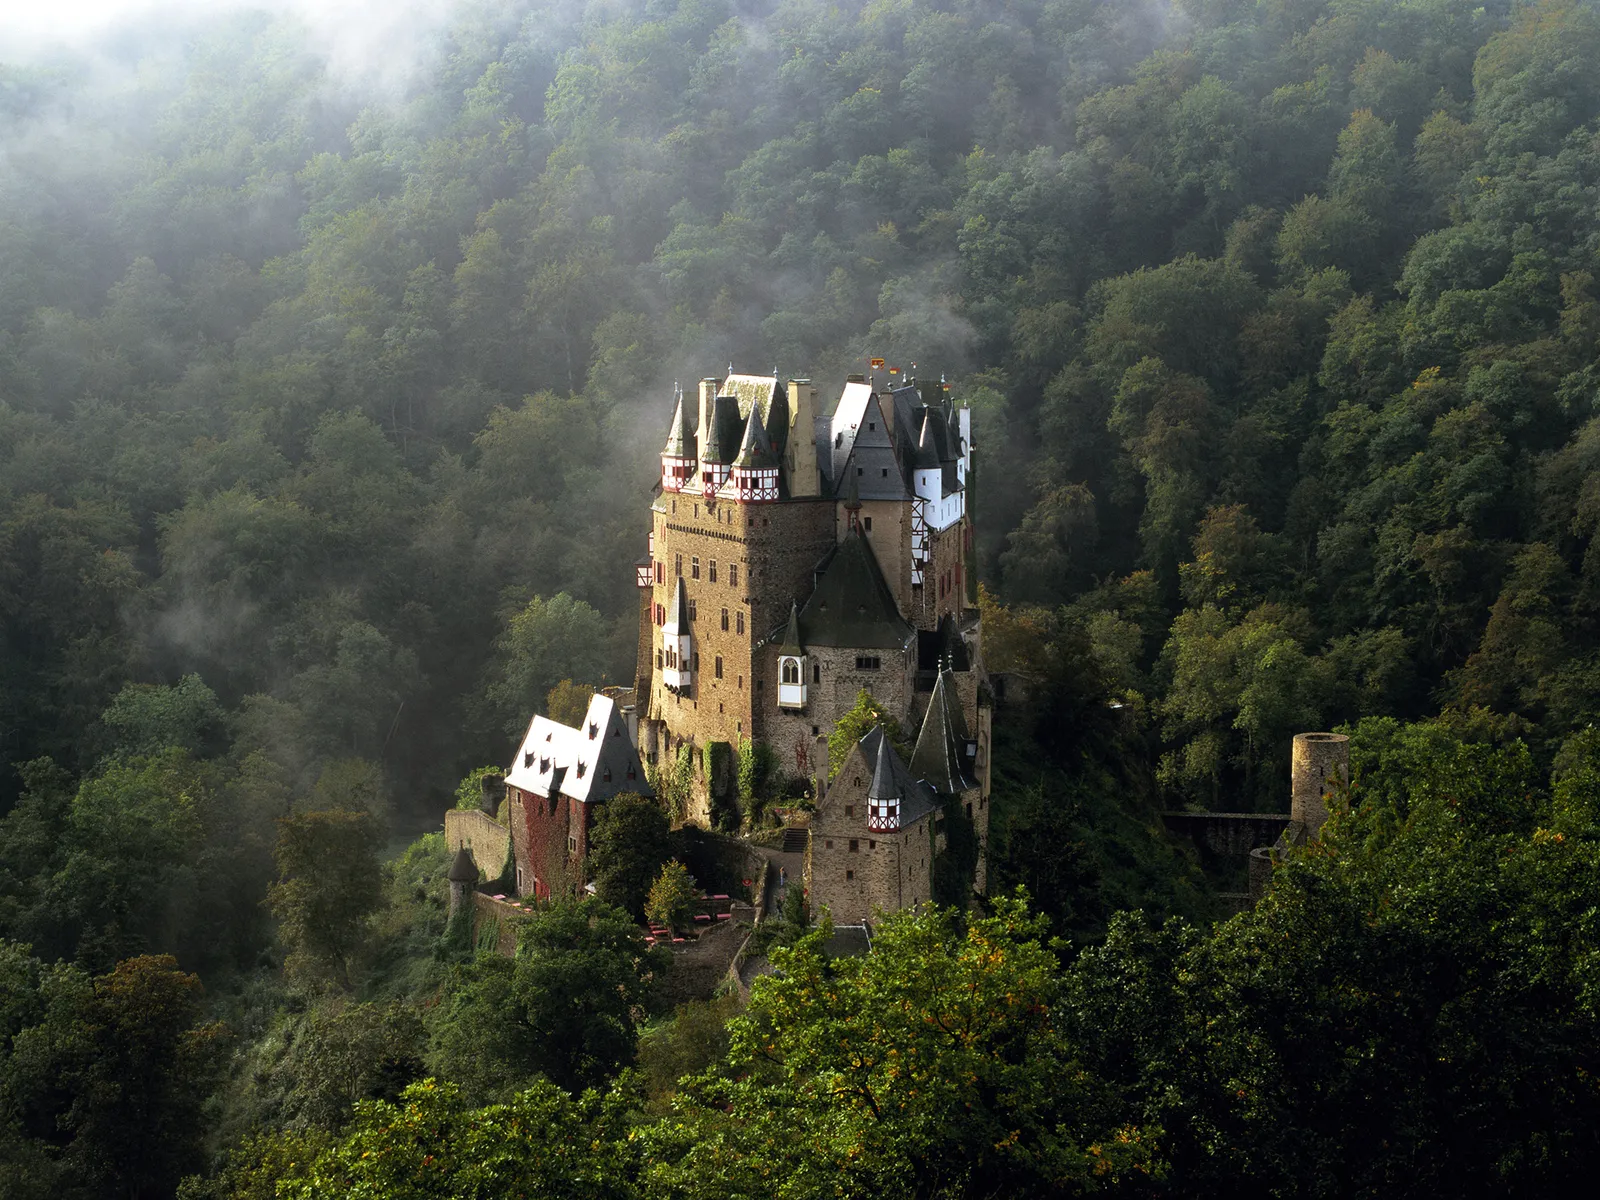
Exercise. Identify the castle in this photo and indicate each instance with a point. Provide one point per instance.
(795, 560)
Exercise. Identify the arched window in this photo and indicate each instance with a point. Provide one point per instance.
(791, 670)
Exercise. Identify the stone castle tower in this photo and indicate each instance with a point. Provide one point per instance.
(796, 558)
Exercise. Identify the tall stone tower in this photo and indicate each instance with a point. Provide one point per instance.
(796, 559)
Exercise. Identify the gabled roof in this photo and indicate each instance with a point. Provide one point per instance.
(753, 392)
(851, 604)
(591, 763)
(872, 459)
(927, 456)
(940, 757)
(678, 611)
(849, 415)
(680, 434)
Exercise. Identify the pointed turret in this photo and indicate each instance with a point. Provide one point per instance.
(680, 435)
(792, 664)
(678, 455)
(885, 788)
(463, 876)
(676, 655)
(463, 870)
(755, 449)
(886, 794)
(941, 755)
(791, 634)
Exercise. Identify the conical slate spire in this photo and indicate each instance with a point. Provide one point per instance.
(940, 755)
(463, 870)
(755, 450)
(678, 612)
(680, 435)
(791, 635)
(884, 784)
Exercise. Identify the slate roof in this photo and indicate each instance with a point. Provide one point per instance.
(724, 430)
(916, 798)
(463, 870)
(940, 756)
(851, 604)
(678, 611)
(681, 439)
(558, 759)
(763, 394)
(792, 644)
(755, 449)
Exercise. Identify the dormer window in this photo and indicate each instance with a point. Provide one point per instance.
(593, 730)
(582, 767)
(527, 758)
(606, 777)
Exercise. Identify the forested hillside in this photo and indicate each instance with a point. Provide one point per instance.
(329, 408)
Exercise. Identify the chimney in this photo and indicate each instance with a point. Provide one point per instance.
(708, 400)
(800, 454)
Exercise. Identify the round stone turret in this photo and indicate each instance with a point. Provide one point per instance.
(463, 875)
(1320, 763)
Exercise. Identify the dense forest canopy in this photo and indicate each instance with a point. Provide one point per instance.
(331, 386)
(1278, 318)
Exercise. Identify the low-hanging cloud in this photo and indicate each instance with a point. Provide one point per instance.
(376, 45)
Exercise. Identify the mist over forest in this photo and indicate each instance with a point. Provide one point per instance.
(336, 355)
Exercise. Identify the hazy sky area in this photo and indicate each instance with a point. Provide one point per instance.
(361, 37)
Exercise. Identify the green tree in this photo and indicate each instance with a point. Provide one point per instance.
(931, 1066)
(671, 899)
(544, 643)
(630, 841)
(327, 887)
(568, 1007)
(865, 715)
(432, 1146)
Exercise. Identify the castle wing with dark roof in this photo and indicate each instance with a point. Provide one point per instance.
(852, 605)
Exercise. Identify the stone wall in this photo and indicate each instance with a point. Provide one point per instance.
(858, 873)
(542, 830)
(497, 919)
(832, 683)
(489, 841)
(1227, 834)
(776, 548)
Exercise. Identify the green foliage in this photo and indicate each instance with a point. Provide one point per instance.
(673, 781)
(470, 791)
(671, 898)
(328, 885)
(628, 844)
(102, 1082)
(865, 715)
(568, 702)
(544, 643)
(931, 1065)
(146, 719)
(540, 1142)
(691, 1039)
(567, 1007)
